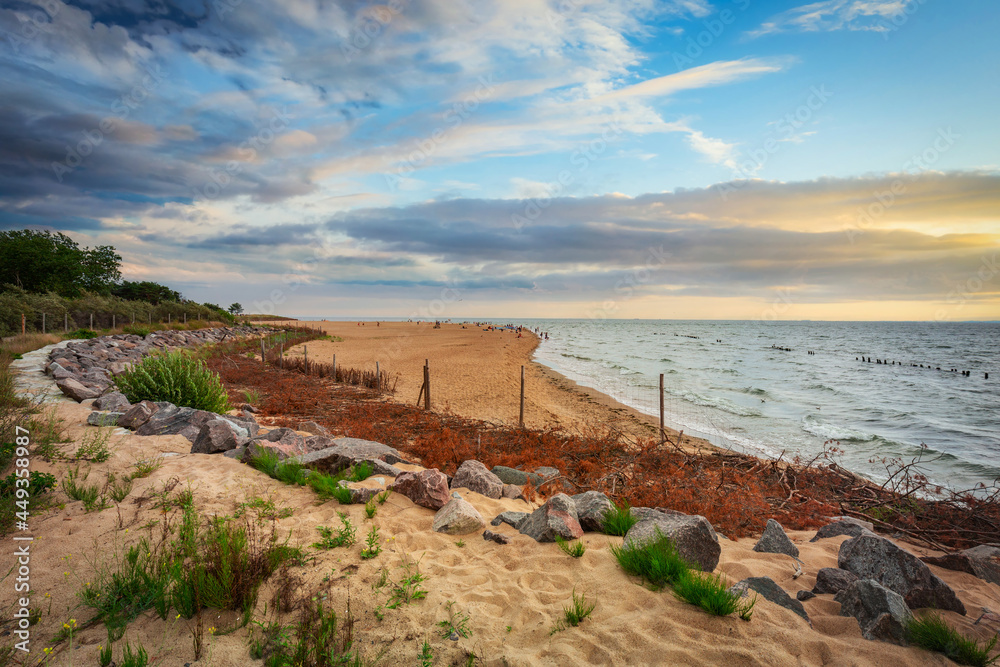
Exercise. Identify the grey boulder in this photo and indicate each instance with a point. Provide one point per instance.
(512, 519)
(833, 580)
(172, 420)
(218, 435)
(458, 517)
(881, 613)
(775, 541)
(345, 452)
(113, 402)
(104, 418)
(982, 561)
(474, 476)
(852, 528)
(873, 557)
(766, 588)
(138, 414)
(76, 390)
(515, 476)
(556, 517)
(692, 535)
(591, 508)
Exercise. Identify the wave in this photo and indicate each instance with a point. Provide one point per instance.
(720, 404)
(819, 386)
(755, 391)
(574, 356)
(829, 431)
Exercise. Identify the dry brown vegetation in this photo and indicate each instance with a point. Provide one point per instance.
(736, 492)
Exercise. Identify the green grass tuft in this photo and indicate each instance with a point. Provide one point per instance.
(345, 536)
(709, 591)
(575, 549)
(932, 633)
(656, 561)
(574, 614)
(618, 520)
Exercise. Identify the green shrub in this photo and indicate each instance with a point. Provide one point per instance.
(656, 561)
(81, 333)
(176, 377)
(933, 634)
(344, 537)
(137, 329)
(618, 520)
(361, 472)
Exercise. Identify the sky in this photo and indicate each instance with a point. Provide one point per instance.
(686, 159)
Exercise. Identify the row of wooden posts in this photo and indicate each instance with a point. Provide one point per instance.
(425, 387)
(114, 321)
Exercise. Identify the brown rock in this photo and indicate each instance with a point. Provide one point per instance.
(427, 488)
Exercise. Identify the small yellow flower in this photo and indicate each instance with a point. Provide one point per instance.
(211, 630)
(47, 651)
(177, 616)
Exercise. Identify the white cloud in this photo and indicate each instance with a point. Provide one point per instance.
(831, 15)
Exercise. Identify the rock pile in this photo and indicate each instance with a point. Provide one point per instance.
(85, 368)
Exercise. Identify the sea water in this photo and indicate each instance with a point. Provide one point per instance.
(797, 387)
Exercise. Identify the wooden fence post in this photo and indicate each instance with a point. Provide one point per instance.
(281, 356)
(114, 320)
(66, 322)
(185, 318)
(43, 322)
(91, 321)
(23, 326)
(378, 377)
(335, 369)
(662, 433)
(305, 356)
(261, 351)
(520, 420)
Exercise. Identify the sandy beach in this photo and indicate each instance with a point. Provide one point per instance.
(476, 374)
(513, 594)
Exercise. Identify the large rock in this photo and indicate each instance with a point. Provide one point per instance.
(512, 492)
(693, 536)
(775, 541)
(113, 402)
(852, 528)
(458, 517)
(138, 414)
(873, 557)
(771, 591)
(245, 426)
(833, 580)
(515, 476)
(590, 509)
(427, 488)
(218, 435)
(982, 561)
(76, 390)
(104, 418)
(474, 476)
(172, 420)
(345, 452)
(556, 517)
(881, 613)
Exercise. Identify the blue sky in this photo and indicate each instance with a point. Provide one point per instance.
(730, 159)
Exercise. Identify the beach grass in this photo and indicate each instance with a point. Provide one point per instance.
(932, 633)
(618, 519)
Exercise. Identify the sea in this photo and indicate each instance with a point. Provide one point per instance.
(796, 389)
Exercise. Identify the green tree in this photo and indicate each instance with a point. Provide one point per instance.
(147, 291)
(236, 308)
(41, 261)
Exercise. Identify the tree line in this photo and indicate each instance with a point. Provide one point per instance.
(54, 283)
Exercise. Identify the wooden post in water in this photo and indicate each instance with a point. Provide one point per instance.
(520, 419)
(662, 434)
